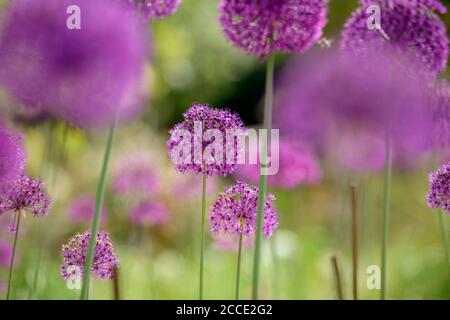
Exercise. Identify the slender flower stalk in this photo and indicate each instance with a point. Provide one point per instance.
(96, 219)
(202, 237)
(238, 271)
(337, 277)
(263, 178)
(386, 213)
(11, 265)
(185, 160)
(116, 283)
(354, 242)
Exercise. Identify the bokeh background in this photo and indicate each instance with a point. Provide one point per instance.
(192, 62)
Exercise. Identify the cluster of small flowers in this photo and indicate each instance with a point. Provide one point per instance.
(27, 194)
(209, 118)
(413, 30)
(439, 195)
(74, 254)
(235, 212)
(261, 27)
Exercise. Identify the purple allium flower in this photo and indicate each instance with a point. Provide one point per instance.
(297, 166)
(361, 151)
(136, 176)
(333, 97)
(236, 209)
(439, 195)
(155, 9)
(413, 30)
(25, 194)
(81, 210)
(74, 256)
(441, 111)
(263, 26)
(148, 214)
(190, 140)
(5, 254)
(87, 76)
(12, 156)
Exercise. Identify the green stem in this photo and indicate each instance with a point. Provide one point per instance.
(337, 277)
(386, 212)
(268, 104)
(238, 272)
(444, 231)
(202, 236)
(95, 222)
(11, 265)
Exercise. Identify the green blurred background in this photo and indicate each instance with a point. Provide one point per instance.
(192, 62)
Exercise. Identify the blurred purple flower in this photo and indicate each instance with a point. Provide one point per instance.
(297, 166)
(148, 214)
(81, 210)
(74, 256)
(136, 176)
(439, 195)
(235, 212)
(155, 9)
(87, 76)
(411, 27)
(5, 254)
(25, 194)
(12, 156)
(190, 186)
(332, 97)
(230, 242)
(441, 112)
(207, 118)
(263, 26)
(360, 151)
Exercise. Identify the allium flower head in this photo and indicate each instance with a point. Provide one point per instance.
(409, 27)
(439, 195)
(81, 210)
(148, 214)
(74, 256)
(263, 26)
(337, 98)
(236, 209)
(87, 75)
(297, 166)
(25, 194)
(12, 156)
(136, 176)
(191, 148)
(155, 9)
